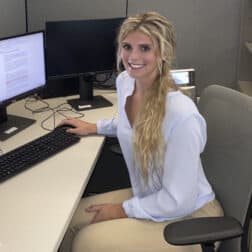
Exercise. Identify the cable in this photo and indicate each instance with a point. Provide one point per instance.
(107, 81)
(60, 109)
(35, 99)
(26, 16)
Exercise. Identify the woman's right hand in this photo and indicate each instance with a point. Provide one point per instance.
(79, 127)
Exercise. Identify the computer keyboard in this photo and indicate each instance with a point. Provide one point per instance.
(29, 154)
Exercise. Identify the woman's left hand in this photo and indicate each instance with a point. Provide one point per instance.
(106, 212)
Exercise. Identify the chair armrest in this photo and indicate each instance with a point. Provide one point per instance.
(202, 230)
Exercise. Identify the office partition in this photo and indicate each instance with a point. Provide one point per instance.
(12, 17)
(207, 36)
(57, 10)
(208, 32)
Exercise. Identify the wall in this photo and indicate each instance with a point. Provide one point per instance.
(245, 59)
(207, 31)
(207, 36)
(52, 10)
(12, 17)
(245, 73)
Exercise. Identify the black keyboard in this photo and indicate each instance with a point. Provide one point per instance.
(35, 151)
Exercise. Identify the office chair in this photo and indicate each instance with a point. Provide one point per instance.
(227, 161)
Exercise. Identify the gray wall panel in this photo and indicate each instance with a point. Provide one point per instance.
(52, 10)
(12, 17)
(245, 67)
(207, 36)
(207, 31)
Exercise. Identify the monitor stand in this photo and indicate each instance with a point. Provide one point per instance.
(10, 125)
(87, 100)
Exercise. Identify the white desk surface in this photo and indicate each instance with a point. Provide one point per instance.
(37, 205)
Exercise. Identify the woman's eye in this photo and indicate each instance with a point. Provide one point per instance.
(145, 48)
(126, 47)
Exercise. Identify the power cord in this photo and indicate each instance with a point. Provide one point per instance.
(104, 81)
(60, 109)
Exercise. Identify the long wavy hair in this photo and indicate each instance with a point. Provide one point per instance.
(148, 137)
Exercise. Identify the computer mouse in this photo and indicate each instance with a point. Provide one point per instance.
(65, 126)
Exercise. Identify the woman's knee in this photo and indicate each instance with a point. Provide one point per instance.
(89, 239)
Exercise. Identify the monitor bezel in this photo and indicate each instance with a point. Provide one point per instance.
(75, 73)
(87, 99)
(18, 97)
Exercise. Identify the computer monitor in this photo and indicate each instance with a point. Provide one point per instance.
(81, 48)
(22, 73)
(184, 77)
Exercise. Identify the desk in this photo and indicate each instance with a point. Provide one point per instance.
(37, 205)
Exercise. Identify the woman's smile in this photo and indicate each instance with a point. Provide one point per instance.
(139, 56)
(135, 66)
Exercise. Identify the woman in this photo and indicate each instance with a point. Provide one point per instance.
(161, 134)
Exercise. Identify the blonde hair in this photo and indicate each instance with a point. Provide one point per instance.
(148, 137)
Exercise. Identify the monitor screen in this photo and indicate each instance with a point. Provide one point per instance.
(183, 76)
(22, 72)
(81, 47)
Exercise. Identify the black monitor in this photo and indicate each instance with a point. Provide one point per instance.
(22, 73)
(82, 48)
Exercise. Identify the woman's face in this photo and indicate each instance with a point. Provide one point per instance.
(139, 56)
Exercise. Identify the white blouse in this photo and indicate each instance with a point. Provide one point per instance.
(180, 187)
